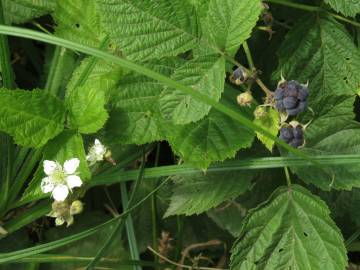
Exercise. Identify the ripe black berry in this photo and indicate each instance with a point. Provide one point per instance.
(292, 134)
(291, 97)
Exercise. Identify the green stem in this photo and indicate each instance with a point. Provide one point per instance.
(234, 114)
(130, 231)
(121, 222)
(287, 175)
(248, 56)
(313, 9)
(58, 64)
(231, 165)
(352, 238)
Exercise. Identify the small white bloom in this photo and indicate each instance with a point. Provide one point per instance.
(96, 152)
(60, 180)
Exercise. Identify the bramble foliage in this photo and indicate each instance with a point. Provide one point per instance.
(225, 122)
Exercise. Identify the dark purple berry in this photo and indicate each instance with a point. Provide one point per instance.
(290, 102)
(292, 134)
(290, 97)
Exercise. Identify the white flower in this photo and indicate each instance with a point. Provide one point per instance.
(96, 152)
(60, 180)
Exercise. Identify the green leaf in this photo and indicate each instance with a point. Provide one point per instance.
(67, 145)
(78, 21)
(20, 11)
(270, 121)
(86, 109)
(135, 117)
(214, 138)
(197, 193)
(104, 76)
(321, 51)
(332, 131)
(346, 7)
(230, 22)
(31, 117)
(206, 75)
(147, 29)
(293, 230)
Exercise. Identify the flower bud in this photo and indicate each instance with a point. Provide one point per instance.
(76, 207)
(245, 99)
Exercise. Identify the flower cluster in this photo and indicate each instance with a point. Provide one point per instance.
(60, 180)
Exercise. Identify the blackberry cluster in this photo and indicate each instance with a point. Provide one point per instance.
(293, 134)
(291, 97)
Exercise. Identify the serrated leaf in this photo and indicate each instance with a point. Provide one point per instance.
(230, 22)
(150, 29)
(293, 230)
(206, 75)
(65, 146)
(269, 121)
(332, 131)
(86, 109)
(214, 138)
(20, 11)
(78, 21)
(197, 193)
(134, 117)
(346, 7)
(31, 117)
(104, 76)
(321, 51)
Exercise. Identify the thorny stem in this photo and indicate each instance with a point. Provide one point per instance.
(313, 9)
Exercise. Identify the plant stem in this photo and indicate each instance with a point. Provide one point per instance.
(248, 56)
(352, 238)
(313, 9)
(287, 175)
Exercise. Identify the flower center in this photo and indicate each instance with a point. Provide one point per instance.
(58, 177)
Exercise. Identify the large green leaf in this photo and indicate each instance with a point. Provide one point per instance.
(31, 117)
(150, 29)
(65, 146)
(20, 11)
(214, 138)
(206, 75)
(332, 131)
(78, 21)
(86, 109)
(230, 22)
(346, 7)
(321, 51)
(135, 117)
(293, 230)
(197, 193)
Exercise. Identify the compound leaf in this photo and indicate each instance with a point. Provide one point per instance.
(293, 230)
(31, 117)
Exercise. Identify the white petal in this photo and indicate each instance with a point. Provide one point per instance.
(71, 165)
(47, 185)
(49, 166)
(97, 142)
(60, 193)
(73, 181)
